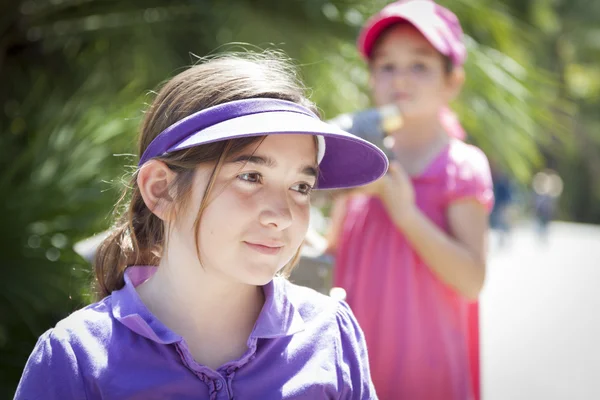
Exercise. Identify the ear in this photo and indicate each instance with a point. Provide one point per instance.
(154, 180)
(454, 82)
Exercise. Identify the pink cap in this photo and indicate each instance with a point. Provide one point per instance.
(438, 24)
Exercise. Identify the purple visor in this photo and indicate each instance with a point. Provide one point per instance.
(345, 160)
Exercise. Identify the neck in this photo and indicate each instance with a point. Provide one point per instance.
(416, 134)
(417, 143)
(213, 313)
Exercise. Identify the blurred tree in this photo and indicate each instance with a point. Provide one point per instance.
(76, 74)
(571, 49)
(568, 46)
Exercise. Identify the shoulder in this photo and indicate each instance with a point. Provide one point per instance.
(309, 302)
(94, 321)
(63, 355)
(86, 336)
(467, 165)
(320, 310)
(82, 337)
(467, 158)
(468, 175)
(339, 330)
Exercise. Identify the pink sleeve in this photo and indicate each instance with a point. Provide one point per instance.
(469, 177)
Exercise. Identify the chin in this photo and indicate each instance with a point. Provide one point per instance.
(258, 280)
(259, 275)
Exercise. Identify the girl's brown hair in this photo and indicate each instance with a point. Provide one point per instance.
(138, 236)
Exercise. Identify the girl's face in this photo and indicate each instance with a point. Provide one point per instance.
(258, 210)
(408, 71)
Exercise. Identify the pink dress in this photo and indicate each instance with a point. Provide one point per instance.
(416, 327)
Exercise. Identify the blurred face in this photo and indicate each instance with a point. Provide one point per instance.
(258, 211)
(408, 71)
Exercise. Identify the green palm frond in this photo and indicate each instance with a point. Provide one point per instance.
(76, 75)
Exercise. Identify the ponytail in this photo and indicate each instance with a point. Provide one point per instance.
(136, 238)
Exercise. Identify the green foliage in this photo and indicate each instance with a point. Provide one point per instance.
(76, 75)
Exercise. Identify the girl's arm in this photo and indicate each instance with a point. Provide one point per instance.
(457, 259)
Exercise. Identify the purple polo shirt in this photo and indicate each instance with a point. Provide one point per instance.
(304, 346)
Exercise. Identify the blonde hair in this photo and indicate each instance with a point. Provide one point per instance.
(138, 236)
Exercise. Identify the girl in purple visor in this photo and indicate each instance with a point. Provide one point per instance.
(194, 303)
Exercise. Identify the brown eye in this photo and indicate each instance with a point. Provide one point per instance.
(302, 188)
(387, 68)
(250, 177)
(418, 67)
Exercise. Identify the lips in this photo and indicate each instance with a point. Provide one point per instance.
(402, 96)
(265, 247)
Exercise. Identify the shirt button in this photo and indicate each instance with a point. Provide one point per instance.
(219, 385)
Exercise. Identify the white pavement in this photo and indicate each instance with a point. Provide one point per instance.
(540, 316)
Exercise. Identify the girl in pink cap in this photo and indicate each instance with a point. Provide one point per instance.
(193, 301)
(410, 251)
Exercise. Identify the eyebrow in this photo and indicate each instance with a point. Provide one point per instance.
(310, 170)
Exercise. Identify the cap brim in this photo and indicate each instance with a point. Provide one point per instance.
(348, 161)
(427, 29)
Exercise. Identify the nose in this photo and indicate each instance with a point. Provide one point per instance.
(276, 211)
(401, 78)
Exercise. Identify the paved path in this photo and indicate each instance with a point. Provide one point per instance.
(540, 316)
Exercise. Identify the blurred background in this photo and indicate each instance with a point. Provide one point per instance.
(75, 76)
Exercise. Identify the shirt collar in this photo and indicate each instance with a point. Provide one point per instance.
(279, 316)
(129, 309)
